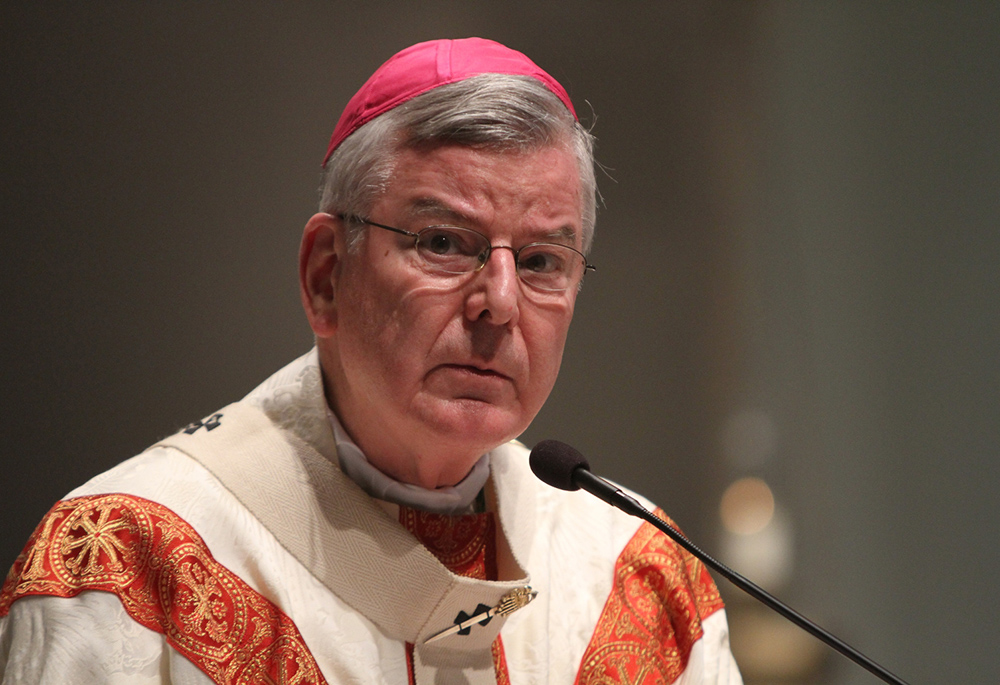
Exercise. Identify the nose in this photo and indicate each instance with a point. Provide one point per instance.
(496, 292)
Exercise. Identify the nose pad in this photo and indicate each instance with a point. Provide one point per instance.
(485, 257)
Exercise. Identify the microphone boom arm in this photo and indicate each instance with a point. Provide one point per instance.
(617, 498)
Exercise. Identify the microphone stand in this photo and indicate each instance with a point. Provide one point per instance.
(615, 497)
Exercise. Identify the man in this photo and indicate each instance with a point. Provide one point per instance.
(362, 516)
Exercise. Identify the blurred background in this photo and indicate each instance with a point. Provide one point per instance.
(791, 342)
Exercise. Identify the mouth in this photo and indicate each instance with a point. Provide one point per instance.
(476, 371)
(471, 382)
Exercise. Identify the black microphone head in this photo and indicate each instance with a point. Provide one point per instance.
(554, 463)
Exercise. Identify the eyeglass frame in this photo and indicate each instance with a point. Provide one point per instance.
(489, 248)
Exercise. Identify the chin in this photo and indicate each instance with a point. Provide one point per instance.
(480, 426)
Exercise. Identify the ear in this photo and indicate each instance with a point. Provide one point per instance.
(320, 258)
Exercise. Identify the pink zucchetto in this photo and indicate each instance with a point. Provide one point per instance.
(425, 66)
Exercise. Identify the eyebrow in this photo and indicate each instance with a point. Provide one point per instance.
(429, 206)
(567, 232)
(432, 207)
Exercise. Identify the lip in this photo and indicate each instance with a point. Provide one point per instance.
(476, 371)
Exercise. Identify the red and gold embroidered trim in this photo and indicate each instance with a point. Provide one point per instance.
(500, 662)
(466, 545)
(653, 616)
(167, 580)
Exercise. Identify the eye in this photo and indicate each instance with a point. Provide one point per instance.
(542, 259)
(439, 242)
(446, 241)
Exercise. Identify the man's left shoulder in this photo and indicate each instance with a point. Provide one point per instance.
(513, 477)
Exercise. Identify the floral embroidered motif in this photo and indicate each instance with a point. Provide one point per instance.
(205, 612)
(167, 580)
(653, 616)
(464, 543)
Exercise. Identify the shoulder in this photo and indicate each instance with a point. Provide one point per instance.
(599, 570)
(154, 553)
(160, 474)
(539, 506)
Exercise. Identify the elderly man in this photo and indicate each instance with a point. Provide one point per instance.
(363, 516)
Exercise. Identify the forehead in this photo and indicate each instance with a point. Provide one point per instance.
(531, 191)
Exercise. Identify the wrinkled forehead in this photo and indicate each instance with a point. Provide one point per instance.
(535, 193)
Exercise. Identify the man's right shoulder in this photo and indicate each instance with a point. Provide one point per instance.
(157, 474)
(160, 535)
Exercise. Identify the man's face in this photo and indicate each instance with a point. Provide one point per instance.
(428, 372)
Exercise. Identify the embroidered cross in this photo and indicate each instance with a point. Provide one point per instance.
(209, 424)
(98, 536)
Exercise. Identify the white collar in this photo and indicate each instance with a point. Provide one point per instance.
(452, 499)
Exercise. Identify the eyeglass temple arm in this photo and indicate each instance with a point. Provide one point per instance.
(361, 220)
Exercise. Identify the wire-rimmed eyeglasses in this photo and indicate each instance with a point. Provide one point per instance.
(455, 250)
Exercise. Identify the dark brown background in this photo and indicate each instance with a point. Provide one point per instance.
(801, 221)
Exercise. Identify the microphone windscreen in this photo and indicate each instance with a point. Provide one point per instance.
(554, 463)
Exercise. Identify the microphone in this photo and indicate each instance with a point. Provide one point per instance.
(561, 466)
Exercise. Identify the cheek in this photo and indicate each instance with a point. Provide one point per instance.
(366, 326)
(545, 342)
(399, 329)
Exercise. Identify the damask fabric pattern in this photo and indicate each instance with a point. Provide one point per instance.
(654, 615)
(290, 537)
(168, 581)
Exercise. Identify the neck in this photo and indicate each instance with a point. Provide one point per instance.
(457, 499)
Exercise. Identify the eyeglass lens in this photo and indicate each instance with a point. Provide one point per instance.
(547, 266)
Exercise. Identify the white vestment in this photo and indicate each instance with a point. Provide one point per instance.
(243, 522)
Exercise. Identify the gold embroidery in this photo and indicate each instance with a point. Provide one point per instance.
(294, 666)
(98, 536)
(463, 543)
(500, 662)
(168, 581)
(652, 617)
(36, 556)
(197, 598)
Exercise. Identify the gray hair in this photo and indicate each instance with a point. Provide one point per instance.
(492, 111)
